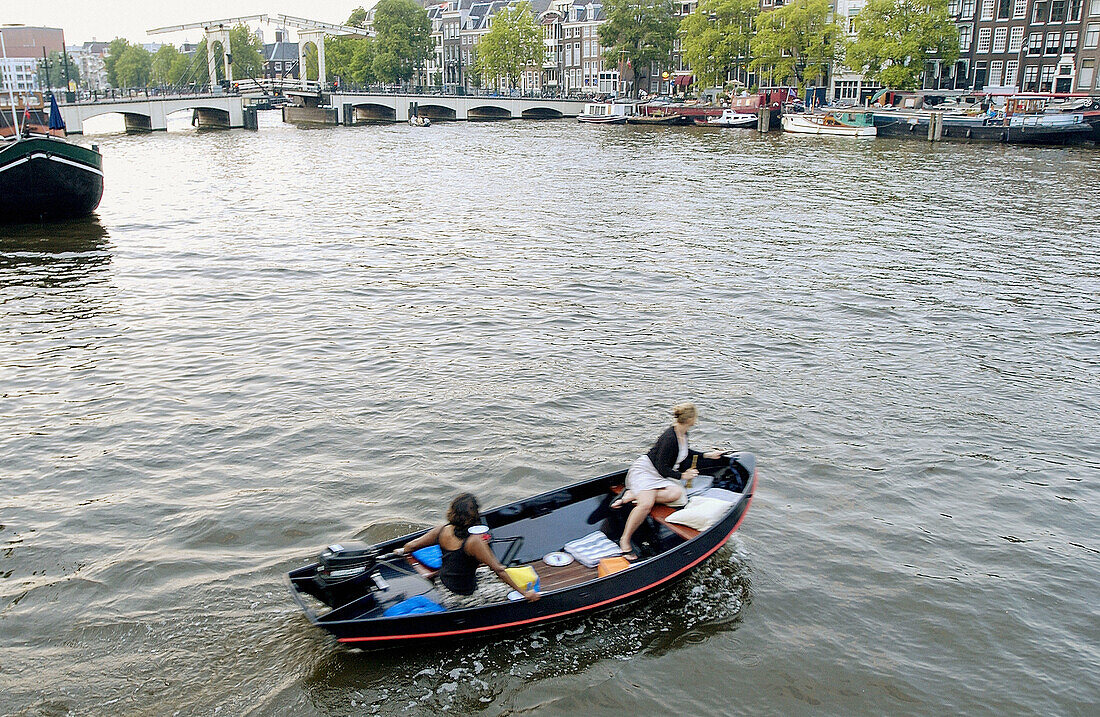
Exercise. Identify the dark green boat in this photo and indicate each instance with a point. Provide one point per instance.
(43, 177)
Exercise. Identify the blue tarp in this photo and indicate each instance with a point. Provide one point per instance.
(414, 606)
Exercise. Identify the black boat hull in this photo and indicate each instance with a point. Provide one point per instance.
(974, 130)
(48, 179)
(618, 588)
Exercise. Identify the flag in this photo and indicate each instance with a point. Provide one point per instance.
(56, 122)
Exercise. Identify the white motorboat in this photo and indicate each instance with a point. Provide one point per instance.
(837, 123)
(731, 118)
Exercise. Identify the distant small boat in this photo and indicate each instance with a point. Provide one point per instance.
(730, 118)
(605, 113)
(659, 119)
(418, 121)
(837, 123)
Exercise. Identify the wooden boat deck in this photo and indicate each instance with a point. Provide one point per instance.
(554, 578)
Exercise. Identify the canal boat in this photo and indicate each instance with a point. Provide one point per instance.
(840, 123)
(605, 113)
(369, 596)
(44, 177)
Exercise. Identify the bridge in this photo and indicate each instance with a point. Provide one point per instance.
(147, 114)
(351, 108)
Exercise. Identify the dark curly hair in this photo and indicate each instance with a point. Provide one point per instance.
(463, 513)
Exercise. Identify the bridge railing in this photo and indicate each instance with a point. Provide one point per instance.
(458, 91)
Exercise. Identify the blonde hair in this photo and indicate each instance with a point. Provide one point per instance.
(684, 412)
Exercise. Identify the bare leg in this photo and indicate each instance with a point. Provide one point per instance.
(643, 503)
(669, 494)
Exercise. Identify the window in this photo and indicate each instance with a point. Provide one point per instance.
(1094, 8)
(983, 39)
(1069, 43)
(1020, 9)
(966, 32)
(987, 10)
(1046, 79)
(952, 9)
(996, 72)
(1057, 10)
(1035, 43)
(1084, 78)
(1031, 79)
(1074, 10)
(1011, 68)
(1092, 35)
(1004, 9)
(968, 9)
(1053, 42)
(1039, 11)
(1016, 39)
(1000, 37)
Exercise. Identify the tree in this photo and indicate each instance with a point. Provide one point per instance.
(716, 37)
(640, 32)
(403, 39)
(162, 64)
(351, 58)
(246, 53)
(798, 41)
(357, 18)
(114, 52)
(186, 69)
(513, 43)
(134, 67)
(53, 73)
(896, 38)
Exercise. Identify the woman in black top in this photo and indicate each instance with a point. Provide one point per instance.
(463, 554)
(655, 477)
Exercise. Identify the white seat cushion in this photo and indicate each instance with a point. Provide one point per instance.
(700, 513)
(591, 548)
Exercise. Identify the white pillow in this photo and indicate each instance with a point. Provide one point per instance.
(700, 513)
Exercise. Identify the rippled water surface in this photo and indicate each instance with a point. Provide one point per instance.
(271, 340)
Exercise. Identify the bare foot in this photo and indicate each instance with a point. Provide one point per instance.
(625, 498)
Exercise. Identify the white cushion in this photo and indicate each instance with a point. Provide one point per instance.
(589, 549)
(700, 513)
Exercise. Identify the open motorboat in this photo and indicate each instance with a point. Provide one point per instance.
(362, 594)
(731, 118)
(842, 123)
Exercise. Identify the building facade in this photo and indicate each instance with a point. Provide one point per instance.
(24, 46)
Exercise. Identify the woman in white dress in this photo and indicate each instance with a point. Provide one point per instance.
(655, 477)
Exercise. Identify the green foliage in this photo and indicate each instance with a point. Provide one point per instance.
(513, 43)
(313, 65)
(716, 37)
(114, 52)
(53, 73)
(638, 31)
(247, 53)
(135, 67)
(895, 38)
(796, 42)
(162, 64)
(358, 18)
(350, 58)
(403, 39)
(186, 69)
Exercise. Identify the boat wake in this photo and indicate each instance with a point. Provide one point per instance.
(467, 677)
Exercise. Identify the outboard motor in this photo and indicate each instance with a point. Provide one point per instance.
(344, 572)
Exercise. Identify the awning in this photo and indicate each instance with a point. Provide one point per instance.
(682, 80)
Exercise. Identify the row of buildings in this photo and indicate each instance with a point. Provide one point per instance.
(1004, 45)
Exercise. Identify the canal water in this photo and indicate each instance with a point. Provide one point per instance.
(270, 341)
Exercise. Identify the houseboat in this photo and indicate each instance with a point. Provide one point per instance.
(605, 113)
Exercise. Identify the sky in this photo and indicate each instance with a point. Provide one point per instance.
(103, 20)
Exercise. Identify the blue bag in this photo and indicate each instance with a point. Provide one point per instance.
(432, 556)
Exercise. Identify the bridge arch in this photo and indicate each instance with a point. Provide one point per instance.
(489, 112)
(371, 112)
(437, 112)
(541, 113)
